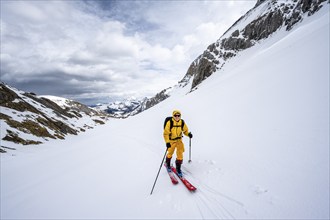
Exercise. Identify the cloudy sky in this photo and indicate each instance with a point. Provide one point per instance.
(102, 51)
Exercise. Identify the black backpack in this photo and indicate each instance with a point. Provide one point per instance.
(171, 122)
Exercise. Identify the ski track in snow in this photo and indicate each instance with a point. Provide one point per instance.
(211, 203)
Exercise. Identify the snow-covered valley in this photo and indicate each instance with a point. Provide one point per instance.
(260, 148)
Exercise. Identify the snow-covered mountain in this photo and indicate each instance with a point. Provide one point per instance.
(260, 148)
(122, 109)
(262, 21)
(266, 18)
(29, 119)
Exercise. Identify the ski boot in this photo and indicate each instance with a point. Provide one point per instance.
(168, 164)
(178, 167)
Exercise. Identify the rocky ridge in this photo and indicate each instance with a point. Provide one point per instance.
(272, 16)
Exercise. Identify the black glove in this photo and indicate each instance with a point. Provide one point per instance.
(168, 145)
(190, 135)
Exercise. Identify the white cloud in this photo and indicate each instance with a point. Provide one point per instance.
(121, 48)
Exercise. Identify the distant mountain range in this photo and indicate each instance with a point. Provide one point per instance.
(122, 109)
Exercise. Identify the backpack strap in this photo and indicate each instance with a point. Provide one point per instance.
(182, 124)
(171, 124)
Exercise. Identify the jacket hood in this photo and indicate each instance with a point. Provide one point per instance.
(176, 112)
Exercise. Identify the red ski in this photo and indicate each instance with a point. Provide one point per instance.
(189, 186)
(172, 176)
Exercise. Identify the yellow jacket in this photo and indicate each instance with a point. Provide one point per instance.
(175, 133)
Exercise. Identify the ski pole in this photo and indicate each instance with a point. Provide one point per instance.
(158, 173)
(189, 161)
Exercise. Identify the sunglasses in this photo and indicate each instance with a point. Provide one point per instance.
(177, 115)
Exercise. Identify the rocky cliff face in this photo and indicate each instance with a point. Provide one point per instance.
(29, 119)
(161, 96)
(272, 15)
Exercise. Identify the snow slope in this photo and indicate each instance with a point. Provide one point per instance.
(260, 148)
